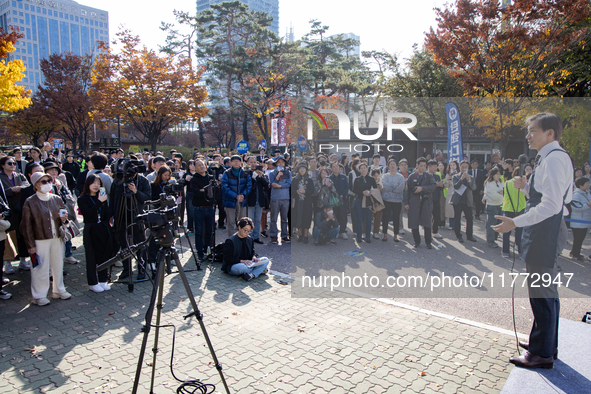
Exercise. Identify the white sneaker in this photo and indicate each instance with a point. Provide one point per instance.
(8, 270)
(438, 236)
(105, 286)
(4, 295)
(41, 301)
(97, 288)
(401, 232)
(63, 296)
(71, 260)
(376, 236)
(345, 236)
(24, 266)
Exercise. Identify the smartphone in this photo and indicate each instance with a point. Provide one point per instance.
(102, 191)
(63, 212)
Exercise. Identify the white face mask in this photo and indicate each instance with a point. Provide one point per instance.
(46, 188)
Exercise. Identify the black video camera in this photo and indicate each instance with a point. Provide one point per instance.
(170, 187)
(126, 169)
(162, 220)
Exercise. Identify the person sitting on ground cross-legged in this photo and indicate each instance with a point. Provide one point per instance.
(239, 253)
(326, 227)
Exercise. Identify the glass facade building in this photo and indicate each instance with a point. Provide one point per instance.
(51, 26)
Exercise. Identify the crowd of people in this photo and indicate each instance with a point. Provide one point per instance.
(247, 195)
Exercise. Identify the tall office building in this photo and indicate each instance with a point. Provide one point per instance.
(271, 7)
(52, 26)
(356, 49)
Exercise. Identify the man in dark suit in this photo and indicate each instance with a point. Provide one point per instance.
(479, 178)
(462, 201)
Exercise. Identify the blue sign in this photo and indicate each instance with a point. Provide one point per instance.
(242, 147)
(302, 143)
(264, 144)
(454, 133)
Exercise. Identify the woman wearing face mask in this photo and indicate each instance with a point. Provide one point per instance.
(43, 214)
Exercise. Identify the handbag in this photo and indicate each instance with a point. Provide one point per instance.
(335, 200)
(68, 231)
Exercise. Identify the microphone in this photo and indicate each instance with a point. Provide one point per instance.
(522, 163)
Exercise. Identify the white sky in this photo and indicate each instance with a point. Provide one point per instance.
(392, 25)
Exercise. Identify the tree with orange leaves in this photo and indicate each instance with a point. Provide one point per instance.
(149, 91)
(513, 50)
(508, 52)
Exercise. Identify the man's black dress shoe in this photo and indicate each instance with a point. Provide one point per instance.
(525, 345)
(471, 239)
(528, 360)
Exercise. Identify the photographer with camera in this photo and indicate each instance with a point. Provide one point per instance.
(280, 180)
(129, 192)
(160, 182)
(202, 187)
(216, 169)
(419, 203)
(257, 198)
(236, 184)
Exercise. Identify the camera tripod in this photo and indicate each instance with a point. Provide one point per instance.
(166, 254)
(128, 209)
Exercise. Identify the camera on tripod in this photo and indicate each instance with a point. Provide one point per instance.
(162, 220)
(126, 169)
(173, 188)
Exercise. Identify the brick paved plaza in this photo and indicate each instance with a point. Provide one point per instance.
(266, 341)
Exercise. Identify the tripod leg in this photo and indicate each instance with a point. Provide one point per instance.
(158, 286)
(161, 261)
(198, 315)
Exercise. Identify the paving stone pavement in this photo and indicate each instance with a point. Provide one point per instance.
(266, 341)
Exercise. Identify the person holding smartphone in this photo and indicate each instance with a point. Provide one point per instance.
(43, 214)
(98, 235)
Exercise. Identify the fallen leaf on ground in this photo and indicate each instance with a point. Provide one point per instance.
(32, 350)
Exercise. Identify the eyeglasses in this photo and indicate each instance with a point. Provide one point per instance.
(44, 181)
(10, 163)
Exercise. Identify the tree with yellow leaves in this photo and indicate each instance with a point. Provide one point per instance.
(149, 91)
(12, 96)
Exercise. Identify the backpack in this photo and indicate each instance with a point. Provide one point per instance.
(219, 253)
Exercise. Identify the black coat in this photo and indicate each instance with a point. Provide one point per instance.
(260, 189)
(420, 204)
(198, 183)
(302, 204)
(80, 179)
